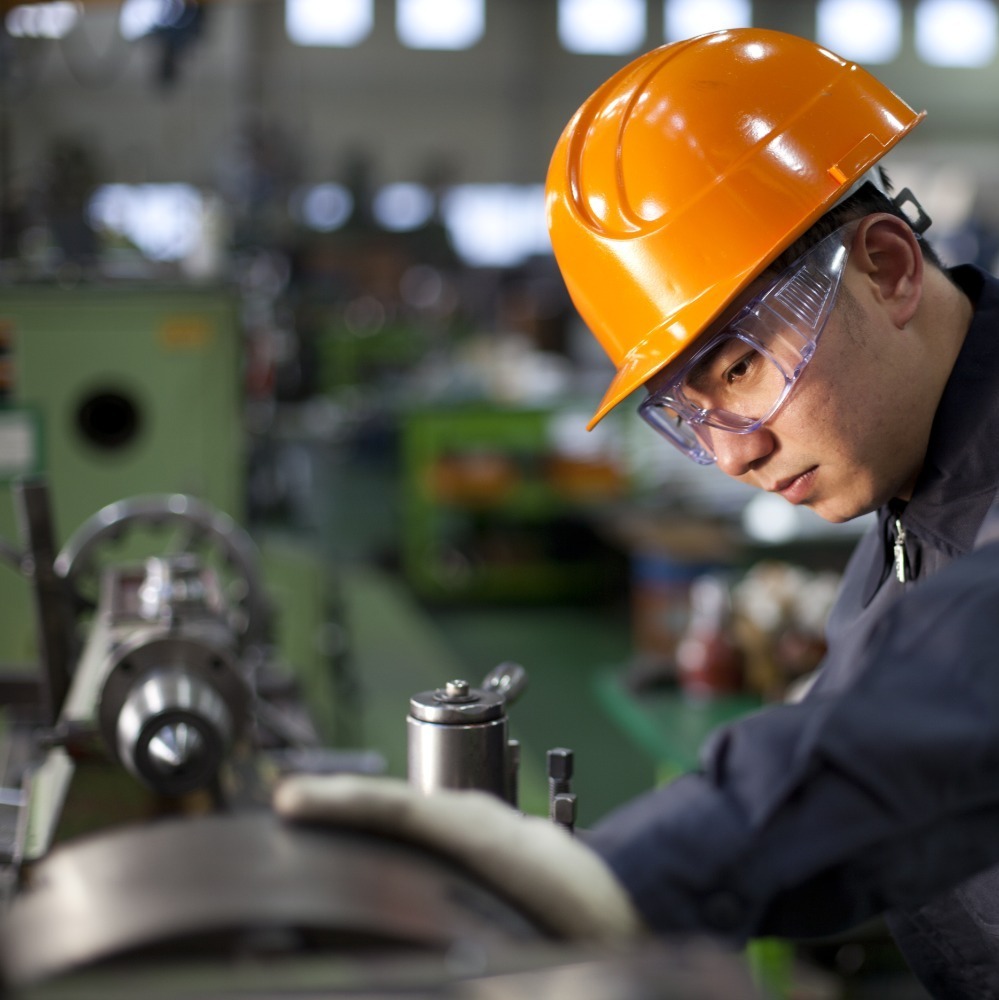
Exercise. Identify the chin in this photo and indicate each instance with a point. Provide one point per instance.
(838, 513)
(833, 518)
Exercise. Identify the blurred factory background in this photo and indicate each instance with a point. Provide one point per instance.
(289, 257)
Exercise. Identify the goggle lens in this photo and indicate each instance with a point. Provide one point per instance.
(734, 376)
(743, 375)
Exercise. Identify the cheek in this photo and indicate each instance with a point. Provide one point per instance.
(833, 430)
(854, 438)
(837, 410)
(815, 418)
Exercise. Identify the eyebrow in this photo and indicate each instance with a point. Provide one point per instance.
(700, 367)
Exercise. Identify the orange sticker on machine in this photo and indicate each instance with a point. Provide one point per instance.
(186, 333)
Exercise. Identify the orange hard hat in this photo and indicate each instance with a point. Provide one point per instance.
(693, 167)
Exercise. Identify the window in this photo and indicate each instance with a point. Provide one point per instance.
(165, 221)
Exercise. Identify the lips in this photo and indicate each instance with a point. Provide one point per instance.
(796, 489)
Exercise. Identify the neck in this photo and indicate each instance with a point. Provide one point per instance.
(950, 312)
(943, 318)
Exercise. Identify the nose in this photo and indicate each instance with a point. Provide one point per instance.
(737, 454)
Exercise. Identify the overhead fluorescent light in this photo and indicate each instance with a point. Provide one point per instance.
(689, 18)
(602, 27)
(322, 207)
(403, 207)
(496, 225)
(338, 23)
(440, 24)
(956, 32)
(42, 20)
(881, 40)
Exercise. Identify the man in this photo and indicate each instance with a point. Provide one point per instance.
(723, 225)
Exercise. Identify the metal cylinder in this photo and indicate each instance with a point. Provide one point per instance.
(457, 738)
(174, 731)
(172, 702)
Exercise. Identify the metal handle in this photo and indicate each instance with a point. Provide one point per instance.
(508, 680)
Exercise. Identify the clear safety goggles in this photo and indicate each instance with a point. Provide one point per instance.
(741, 377)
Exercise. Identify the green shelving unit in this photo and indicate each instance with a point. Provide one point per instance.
(492, 511)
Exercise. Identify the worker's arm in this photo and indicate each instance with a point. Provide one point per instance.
(810, 818)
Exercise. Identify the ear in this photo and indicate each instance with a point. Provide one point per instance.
(887, 252)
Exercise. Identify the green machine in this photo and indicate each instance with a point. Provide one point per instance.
(109, 392)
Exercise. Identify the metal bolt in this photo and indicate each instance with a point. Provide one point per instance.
(560, 766)
(512, 771)
(564, 810)
(456, 689)
(559, 778)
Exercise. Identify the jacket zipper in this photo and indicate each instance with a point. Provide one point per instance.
(899, 550)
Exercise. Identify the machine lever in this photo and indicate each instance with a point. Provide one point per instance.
(508, 679)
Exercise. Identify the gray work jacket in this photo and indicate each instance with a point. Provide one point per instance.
(879, 792)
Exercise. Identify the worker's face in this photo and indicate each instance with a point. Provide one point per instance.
(851, 435)
(821, 388)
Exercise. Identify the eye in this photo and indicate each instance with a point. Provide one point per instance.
(722, 368)
(741, 369)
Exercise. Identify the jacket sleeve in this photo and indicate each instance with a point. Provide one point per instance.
(807, 819)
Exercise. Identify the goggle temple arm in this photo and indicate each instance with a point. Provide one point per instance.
(907, 203)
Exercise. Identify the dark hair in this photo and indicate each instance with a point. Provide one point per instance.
(866, 200)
